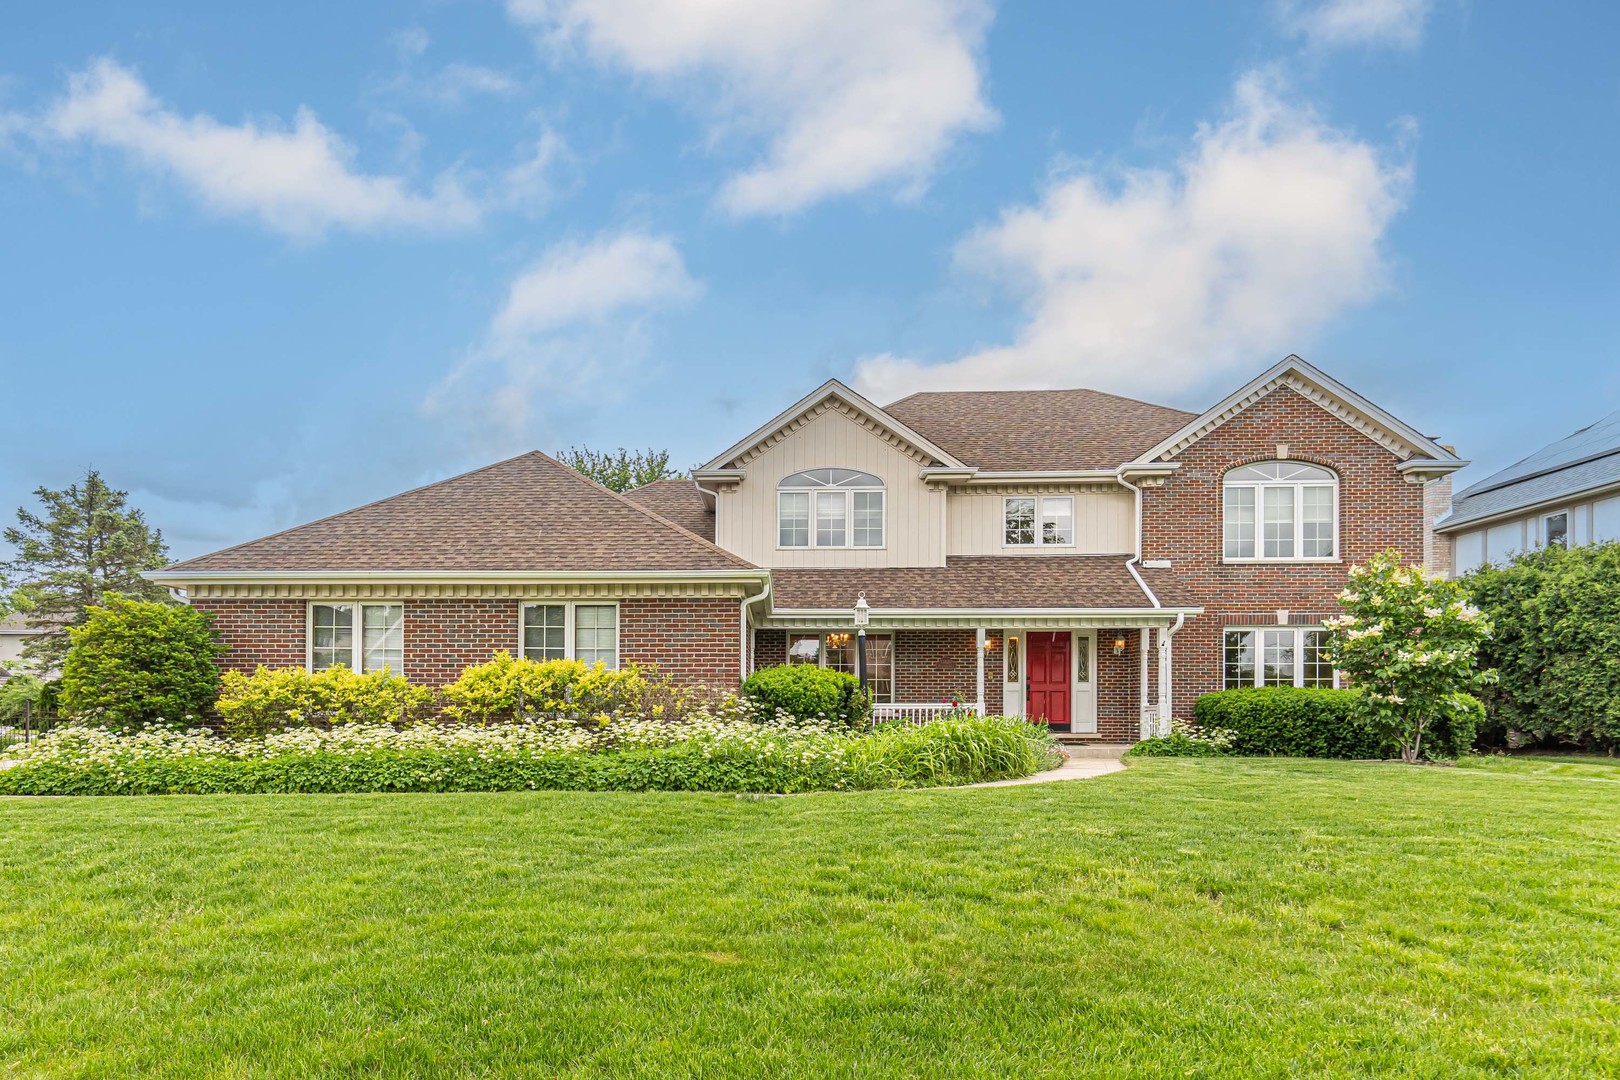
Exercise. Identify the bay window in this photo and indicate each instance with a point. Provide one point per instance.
(588, 633)
(830, 508)
(1280, 510)
(360, 637)
(1031, 521)
(1278, 656)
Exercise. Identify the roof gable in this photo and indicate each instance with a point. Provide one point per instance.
(530, 513)
(1400, 438)
(833, 395)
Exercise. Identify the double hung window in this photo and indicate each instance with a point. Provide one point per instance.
(1280, 510)
(830, 508)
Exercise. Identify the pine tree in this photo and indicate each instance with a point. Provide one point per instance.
(619, 470)
(85, 544)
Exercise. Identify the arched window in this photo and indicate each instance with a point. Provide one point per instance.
(1281, 510)
(829, 508)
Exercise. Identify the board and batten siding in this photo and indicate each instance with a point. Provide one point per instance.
(1104, 521)
(914, 526)
(1591, 521)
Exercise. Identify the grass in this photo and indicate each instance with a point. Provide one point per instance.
(1188, 918)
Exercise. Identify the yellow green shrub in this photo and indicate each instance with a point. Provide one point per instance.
(509, 687)
(273, 699)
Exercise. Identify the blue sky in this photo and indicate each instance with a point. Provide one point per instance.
(265, 263)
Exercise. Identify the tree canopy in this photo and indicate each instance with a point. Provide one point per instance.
(619, 470)
(84, 544)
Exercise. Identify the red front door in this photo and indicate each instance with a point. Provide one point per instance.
(1047, 659)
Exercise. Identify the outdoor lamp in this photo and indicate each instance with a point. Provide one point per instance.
(862, 612)
(1119, 645)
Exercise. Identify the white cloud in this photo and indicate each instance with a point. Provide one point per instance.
(1358, 22)
(571, 325)
(847, 93)
(1269, 227)
(297, 180)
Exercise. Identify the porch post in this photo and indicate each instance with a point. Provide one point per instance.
(1142, 691)
(1162, 722)
(979, 650)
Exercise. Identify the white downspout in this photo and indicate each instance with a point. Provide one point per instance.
(743, 634)
(1165, 636)
(980, 650)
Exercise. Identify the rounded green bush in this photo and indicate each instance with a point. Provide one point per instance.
(135, 662)
(809, 693)
(1290, 722)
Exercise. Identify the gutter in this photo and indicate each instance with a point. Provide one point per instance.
(1130, 563)
(742, 643)
(1451, 523)
(447, 576)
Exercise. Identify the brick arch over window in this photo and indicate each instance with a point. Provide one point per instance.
(1280, 509)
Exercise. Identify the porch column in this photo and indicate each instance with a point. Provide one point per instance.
(1142, 671)
(979, 651)
(1162, 722)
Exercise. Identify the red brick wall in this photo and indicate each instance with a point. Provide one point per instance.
(445, 636)
(694, 640)
(770, 648)
(1378, 510)
(936, 665)
(1119, 689)
(268, 632)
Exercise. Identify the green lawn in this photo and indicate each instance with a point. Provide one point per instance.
(1186, 918)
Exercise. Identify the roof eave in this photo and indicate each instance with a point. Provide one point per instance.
(471, 577)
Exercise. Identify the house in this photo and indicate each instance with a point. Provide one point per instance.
(14, 634)
(1066, 554)
(1568, 492)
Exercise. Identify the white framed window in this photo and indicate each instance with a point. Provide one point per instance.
(1278, 656)
(1280, 511)
(830, 508)
(1038, 521)
(361, 637)
(836, 649)
(1555, 529)
(578, 630)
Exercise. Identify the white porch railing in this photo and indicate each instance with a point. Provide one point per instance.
(922, 713)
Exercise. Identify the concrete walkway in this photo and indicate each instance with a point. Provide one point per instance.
(1076, 768)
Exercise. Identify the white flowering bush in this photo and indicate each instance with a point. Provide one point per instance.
(1409, 642)
(1187, 739)
(726, 750)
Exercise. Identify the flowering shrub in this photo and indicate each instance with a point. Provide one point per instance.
(274, 699)
(1187, 740)
(702, 753)
(810, 693)
(516, 688)
(1409, 643)
(134, 662)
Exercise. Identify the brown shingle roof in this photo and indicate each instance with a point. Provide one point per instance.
(1038, 429)
(973, 581)
(527, 513)
(678, 500)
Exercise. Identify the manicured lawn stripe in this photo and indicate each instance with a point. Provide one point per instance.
(1204, 918)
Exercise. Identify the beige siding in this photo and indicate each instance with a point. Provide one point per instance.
(1104, 521)
(745, 515)
(1590, 521)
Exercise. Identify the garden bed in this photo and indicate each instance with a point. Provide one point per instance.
(558, 755)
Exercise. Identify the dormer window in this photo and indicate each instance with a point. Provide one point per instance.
(830, 508)
(1281, 511)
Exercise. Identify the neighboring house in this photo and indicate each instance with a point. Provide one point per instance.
(1565, 493)
(14, 634)
(1071, 555)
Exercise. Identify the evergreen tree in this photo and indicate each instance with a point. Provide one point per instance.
(84, 545)
(619, 470)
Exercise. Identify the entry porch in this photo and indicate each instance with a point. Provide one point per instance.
(1102, 676)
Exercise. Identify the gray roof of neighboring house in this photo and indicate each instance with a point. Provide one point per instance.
(1585, 461)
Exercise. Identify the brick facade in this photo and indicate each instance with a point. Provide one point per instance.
(1182, 522)
(693, 639)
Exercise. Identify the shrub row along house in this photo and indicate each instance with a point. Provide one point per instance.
(1068, 554)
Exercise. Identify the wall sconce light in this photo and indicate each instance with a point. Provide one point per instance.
(989, 644)
(1119, 645)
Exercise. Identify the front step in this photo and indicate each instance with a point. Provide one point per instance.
(1080, 746)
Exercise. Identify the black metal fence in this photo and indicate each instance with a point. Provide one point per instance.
(22, 723)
